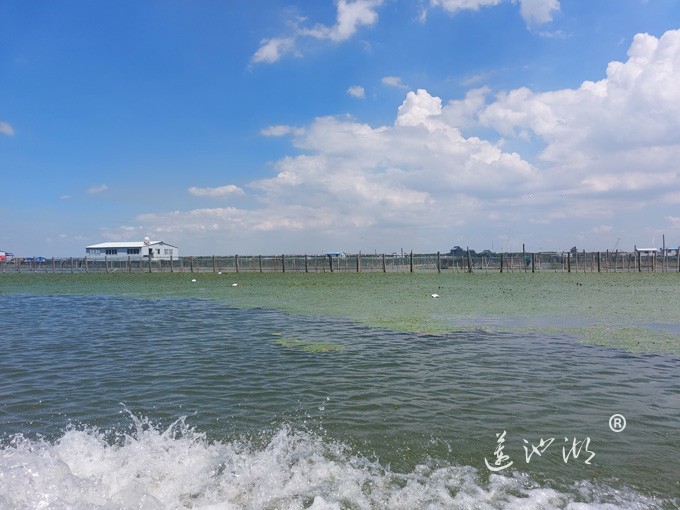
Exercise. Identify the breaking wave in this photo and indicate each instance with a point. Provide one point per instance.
(178, 467)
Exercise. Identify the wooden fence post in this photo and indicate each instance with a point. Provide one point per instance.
(283, 263)
(439, 265)
(501, 262)
(411, 261)
(306, 264)
(260, 257)
(533, 262)
(385, 266)
(359, 262)
(469, 260)
(639, 261)
(238, 270)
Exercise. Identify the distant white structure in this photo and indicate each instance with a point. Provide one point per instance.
(136, 250)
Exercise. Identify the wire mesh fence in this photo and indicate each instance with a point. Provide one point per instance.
(570, 261)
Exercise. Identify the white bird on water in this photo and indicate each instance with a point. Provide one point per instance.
(194, 280)
(435, 295)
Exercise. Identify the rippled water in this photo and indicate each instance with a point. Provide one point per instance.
(111, 402)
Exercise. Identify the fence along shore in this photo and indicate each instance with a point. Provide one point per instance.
(468, 261)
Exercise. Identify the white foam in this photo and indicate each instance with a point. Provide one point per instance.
(179, 468)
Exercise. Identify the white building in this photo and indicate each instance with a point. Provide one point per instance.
(136, 250)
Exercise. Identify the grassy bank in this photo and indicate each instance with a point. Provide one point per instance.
(638, 312)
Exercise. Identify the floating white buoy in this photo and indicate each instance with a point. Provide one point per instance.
(435, 295)
(234, 284)
(194, 280)
(220, 272)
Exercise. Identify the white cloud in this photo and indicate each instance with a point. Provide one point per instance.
(271, 50)
(220, 191)
(6, 129)
(357, 91)
(97, 189)
(533, 11)
(394, 81)
(606, 162)
(351, 15)
(65, 197)
(279, 130)
(620, 133)
(538, 11)
(453, 6)
(419, 108)
(351, 176)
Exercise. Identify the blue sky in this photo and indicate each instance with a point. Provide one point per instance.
(267, 127)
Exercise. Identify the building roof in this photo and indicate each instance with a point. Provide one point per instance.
(127, 244)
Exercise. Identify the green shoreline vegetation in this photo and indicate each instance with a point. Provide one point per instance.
(637, 312)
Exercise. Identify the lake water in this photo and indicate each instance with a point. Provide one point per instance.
(121, 402)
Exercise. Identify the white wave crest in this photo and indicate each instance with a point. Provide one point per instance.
(178, 467)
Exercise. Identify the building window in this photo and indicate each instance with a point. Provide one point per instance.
(112, 251)
(133, 251)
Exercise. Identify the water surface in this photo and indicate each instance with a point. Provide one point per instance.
(109, 401)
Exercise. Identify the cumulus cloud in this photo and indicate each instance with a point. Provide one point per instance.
(357, 91)
(538, 11)
(419, 108)
(6, 129)
(220, 191)
(351, 175)
(351, 15)
(101, 188)
(533, 11)
(601, 153)
(619, 133)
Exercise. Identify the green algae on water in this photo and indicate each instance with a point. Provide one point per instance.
(307, 345)
(612, 309)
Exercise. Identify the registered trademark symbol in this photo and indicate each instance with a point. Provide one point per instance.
(617, 422)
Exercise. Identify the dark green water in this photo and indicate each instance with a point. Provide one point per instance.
(114, 402)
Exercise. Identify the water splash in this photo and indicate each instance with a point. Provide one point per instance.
(177, 467)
